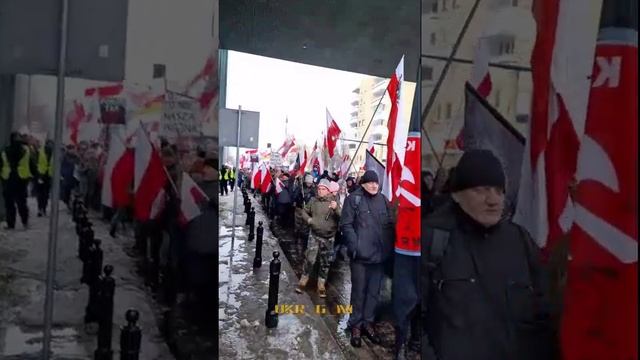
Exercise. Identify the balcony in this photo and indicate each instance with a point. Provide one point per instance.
(356, 90)
(355, 102)
(378, 122)
(354, 113)
(354, 124)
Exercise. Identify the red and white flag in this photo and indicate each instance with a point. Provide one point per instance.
(265, 179)
(74, 118)
(207, 80)
(370, 146)
(344, 167)
(279, 186)
(398, 130)
(191, 196)
(256, 177)
(480, 76)
(333, 134)
(150, 179)
(303, 162)
(118, 174)
(286, 146)
(562, 62)
(600, 317)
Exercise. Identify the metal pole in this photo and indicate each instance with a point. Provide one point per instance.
(357, 141)
(55, 192)
(467, 61)
(235, 188)
(29, 103)
(365, 130)
(434, 93)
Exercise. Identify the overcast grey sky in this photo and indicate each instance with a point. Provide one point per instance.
(278, 89)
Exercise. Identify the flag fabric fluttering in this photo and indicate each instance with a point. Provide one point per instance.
(371, 163)
(279, 186)
(333, 134)
(409, 204)
(370, 146)
(118, 173)
(294, 167)
(191, 198)
(304, 161)
(562, 63)
(266, 180)
(150, 179)
(485, 128)
(286, 146)
(480, 75)
(398, 131)
(256, 177)
(600, 312)
(74, 118)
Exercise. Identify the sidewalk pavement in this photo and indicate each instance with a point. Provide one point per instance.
(23, 259)
(243, 295)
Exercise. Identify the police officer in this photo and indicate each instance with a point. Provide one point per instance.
(16, 169)
(322, 214)
(232, 178)
(483, 289)
(45, 173)
(368, 230)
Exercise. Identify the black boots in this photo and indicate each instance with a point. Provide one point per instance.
(370, 332)
(356, 338)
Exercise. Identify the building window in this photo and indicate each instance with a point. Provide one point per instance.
(377, 137)
(427, 73)
(433, 39)
(448, 111)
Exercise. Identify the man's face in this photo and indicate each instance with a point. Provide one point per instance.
(484, 204)
(371, 187)
(323, 191)
(349, 183)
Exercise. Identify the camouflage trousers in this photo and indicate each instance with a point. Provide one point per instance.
(318, 250)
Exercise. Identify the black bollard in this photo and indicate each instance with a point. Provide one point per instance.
(106, 292)
(94, 267)
(85, 241)
(257, 259)
(130, 337)
(252, 224)
(248, 219)
(271, 317)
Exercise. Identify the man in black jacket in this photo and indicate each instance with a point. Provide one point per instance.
(368, 231)
(482, 285)
(16, 170)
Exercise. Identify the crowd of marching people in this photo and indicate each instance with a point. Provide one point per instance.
(180, 259)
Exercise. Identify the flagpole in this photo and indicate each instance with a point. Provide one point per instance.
(365, 130)
(55, 186)
(235, 188)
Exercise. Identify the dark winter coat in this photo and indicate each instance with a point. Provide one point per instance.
(486, 299)
(202, 232)
(322, 220)
(368, 228)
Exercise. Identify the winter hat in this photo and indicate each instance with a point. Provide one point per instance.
(308, 179)
(326, 183)
(369, 176)
(334, 187)
(477, 168)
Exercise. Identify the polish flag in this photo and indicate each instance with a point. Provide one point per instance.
(118, 174)
(333, 134)
(370, 147)
(256, 177)
(266, 180)
(600, 317)
(74, 118)
(279, 186)
(398, 132)
(303, 162)
(149, 179)
(286, 146)
(344, 167)
(191, 196)
(208, 80)
(562, 64)
(480, 76)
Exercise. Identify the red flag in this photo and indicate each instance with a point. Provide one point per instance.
(118, 174)
(266, 180)
(562, 62)
(333, 134)
(286, 146)
(74, 118)
(149, 179)
(398, 130)
(600, 319)
(256, 177)
(279, 186)
(303, 164)
(407, 233)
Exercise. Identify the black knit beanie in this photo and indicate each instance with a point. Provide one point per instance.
(477, 168)
(369, 176)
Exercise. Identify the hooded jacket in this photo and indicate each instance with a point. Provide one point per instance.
(485, 297)
(324, 221)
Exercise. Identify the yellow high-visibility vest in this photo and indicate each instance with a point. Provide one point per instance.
(226, 175)
(24, 170)
(45, 166)
(232, 176)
